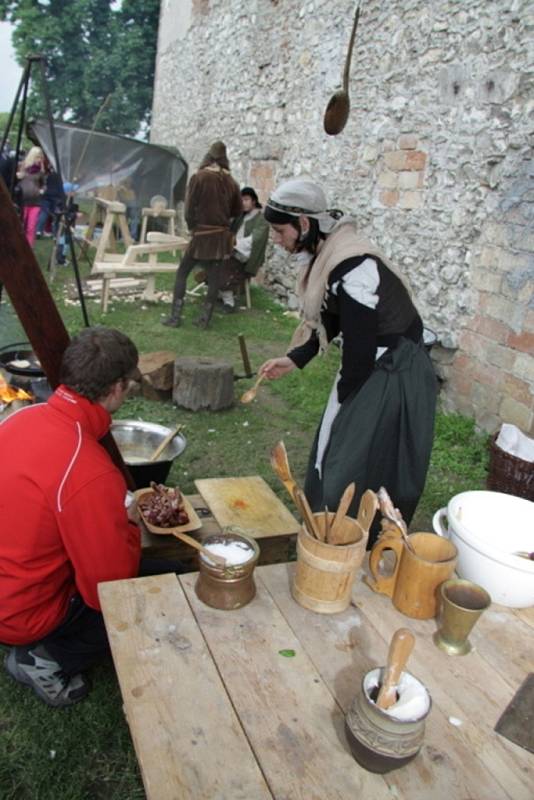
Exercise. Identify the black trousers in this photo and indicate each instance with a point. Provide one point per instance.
(213, 270)
(80, 641)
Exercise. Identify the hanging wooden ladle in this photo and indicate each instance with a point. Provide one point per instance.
(338, 108)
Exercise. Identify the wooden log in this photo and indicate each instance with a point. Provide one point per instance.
(203, 383)
(29, 293)
(159, 367)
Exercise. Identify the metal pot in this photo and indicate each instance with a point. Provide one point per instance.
(228, 587)
(378, 741)
(137, 440)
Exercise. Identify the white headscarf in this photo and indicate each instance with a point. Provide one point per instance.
(300, 196)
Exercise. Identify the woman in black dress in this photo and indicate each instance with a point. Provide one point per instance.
(377, 427)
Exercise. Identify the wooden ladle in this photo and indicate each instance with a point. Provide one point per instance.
(213, 557)
(338, 108)
(400, 648)
(251, 393)
(163, 444)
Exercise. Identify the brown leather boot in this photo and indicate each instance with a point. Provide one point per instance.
(175, 319)
(204, 320)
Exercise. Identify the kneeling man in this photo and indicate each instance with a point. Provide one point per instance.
(64, 526)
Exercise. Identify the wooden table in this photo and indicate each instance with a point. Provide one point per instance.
(273, 549)
(217, 713)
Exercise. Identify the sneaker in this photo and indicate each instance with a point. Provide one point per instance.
(45, 677)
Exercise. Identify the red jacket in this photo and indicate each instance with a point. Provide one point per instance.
(63, 524)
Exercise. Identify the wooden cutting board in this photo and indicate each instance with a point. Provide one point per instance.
(249, 503)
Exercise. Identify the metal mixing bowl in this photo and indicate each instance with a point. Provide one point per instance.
(137, 440)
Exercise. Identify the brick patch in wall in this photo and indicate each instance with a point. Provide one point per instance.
(522, 341)
(492, 328)
(524, 368)
(389, 197)
(408, 141)
(486, 397)
(518, 389)
(517, 414)
(262, 178)
(399, 160)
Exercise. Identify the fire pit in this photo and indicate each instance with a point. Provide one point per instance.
(12, 398)
(24, 371)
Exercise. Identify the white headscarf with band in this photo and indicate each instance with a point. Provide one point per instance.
(299, 196)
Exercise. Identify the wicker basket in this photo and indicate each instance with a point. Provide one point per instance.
(510, 474)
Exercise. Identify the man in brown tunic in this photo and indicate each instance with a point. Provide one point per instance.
(212, 200)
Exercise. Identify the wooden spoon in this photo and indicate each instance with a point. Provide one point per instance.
(400, 648)
(393, 514)
(338, 108)
(367, 510)
(213, 557)
(250, 394)
(336, 527)
(280, 465)
(163, 444)
(307, 515)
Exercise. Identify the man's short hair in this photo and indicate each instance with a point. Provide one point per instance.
(96, 359)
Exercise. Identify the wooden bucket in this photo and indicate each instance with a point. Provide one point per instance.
(325, 572)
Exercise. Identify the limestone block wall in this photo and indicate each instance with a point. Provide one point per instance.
(435, 161)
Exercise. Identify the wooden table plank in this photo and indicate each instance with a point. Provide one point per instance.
(248, 502)
(343, 647)
(292, 722)
(189, 742)
(464, 687)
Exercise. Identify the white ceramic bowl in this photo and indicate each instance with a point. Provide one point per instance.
(487, 528)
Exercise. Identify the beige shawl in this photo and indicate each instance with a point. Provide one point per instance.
(344, 242)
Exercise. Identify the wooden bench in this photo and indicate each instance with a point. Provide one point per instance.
(111, 264)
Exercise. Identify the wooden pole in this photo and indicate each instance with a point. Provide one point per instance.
(29, 293)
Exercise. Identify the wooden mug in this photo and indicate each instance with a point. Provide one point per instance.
(413, 585)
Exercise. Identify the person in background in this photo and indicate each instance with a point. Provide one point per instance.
(252, 235)
(377, 428)
(51, 203)
(65, 527)
(31, 182)
(212, 200)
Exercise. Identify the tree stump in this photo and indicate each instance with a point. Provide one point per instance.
(203, 383)
(157, 371)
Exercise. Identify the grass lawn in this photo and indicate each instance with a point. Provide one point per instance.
(85, 753)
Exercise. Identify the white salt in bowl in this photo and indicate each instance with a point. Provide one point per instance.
(488, 528)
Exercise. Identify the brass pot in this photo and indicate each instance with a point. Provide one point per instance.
(378, 741)
(227, 587)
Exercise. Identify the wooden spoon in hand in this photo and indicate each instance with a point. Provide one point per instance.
(250, 394)
(400, 649)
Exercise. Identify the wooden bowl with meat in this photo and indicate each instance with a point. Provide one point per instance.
(165, 510)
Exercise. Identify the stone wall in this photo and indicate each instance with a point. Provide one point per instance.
(435, 161)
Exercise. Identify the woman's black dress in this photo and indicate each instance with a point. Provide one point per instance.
(377, 428)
